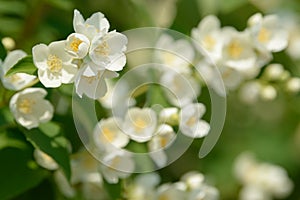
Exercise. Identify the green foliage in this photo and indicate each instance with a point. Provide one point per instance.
(2, 51)
(49, 138)
(25, 65)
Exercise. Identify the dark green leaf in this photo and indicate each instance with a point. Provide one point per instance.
(49, 139)
(114, 190)
(24, 65)
(2, 51)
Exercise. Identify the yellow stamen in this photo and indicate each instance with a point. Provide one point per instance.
(108, 134)
(75, 44)
(263, 35)
(235, 49)
(14, 78)
(25, 106)
(54, 63)
(103, 49)
(139, 124)
(209, 42)
(191, 121)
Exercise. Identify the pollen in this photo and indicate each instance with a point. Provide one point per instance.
(15, 78)
(163, 142)
(191, 121)
(108, 134)
(139, 124)
(75, 44)
(25, 106)
(263, 35)
(103, 49)
(209, 42)
(235, 49)
(54, 63)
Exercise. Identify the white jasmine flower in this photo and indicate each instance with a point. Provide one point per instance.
(268, 32)
(169, 116)
(208, 34)
(117, 164)
(30, 108)
(108, 132)
(16, 81)
(108, 51)
(175, 54)
(140, 124)
(54, 64)
(97, 24)
(252, 192)
(170, 192)
(238, 52)
(181, 89)
(193, 179)
(205, 192)
(164, 136)
(91, 81)
(44, 160)
(77, 45)
(190, 123)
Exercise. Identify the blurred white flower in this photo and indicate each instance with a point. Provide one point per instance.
(108, 51)
(95, 25)
(16, 81)
(30, 108)
(116, 165)
(170, 192)
(44, 160)
(252, 192)
(191, 124)
(169, 116)
(91, 81)
(180, 89)
(274, 72)
(209, 36)
(63, 184)
(140, 124)
(77, 45)
(54, 64)
(268, 32)
(205, 192)
(176, 54)
(193, 179)
(293, 85)
(250, 92)
(9, 43)
(108, 132)
(268, 93)
(163, 137)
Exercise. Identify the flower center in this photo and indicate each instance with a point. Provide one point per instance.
(163, 141)
(263, 35)
(75, 44)
(168, 58)
(54, 63)
(235, 49)
(108, 134)
(15, 78)
(139, 124)
(191, 121)
(103, 49)
(25, 106)
(209, 42)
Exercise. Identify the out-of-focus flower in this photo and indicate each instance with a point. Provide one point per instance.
(30, 108)
(268, 93)
(54, 64)
(9, 43)
(250, 92)
(108, 132)
(252, 192)
(293, 85)
(163, 137)
(95, 25)
(208, 34)
(63, 184)
(170, 192)
(268, 32)
(274, 72)
(140, 124)
(116, 165)
(264, 178)
(176, 54)
(169, 116)
(44, 160)
(180, 89)
(108, 51)
(16, 81)
(205, 192)
(191, 124)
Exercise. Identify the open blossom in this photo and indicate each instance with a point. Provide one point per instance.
(175, 54)
(108, 51)
(190, 123)
(16, 81)
(140, 124)
(94, 25)
(171, 192)
(108, 132)
(164, 136)
(30, 108)
(77, 45)
(268, 32)
(208, 35)
(116, 165)
(54, 64)
(91, 81)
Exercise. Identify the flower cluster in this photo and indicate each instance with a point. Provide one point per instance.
(261, 181)
(87, 57)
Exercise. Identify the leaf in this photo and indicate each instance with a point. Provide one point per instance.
(64, 5)
(2, 51)
(49, 139)
(18, 170)
(24, 65)
(113, 190)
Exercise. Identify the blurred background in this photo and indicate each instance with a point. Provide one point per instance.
(271, 130)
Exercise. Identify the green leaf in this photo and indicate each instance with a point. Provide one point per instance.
(18, 170)
(24, 65)
(2, 51)
(114, 190)
(64, 5)
(49, 139)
